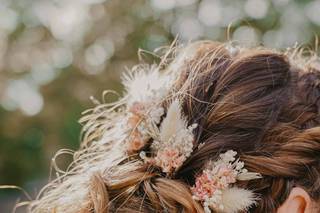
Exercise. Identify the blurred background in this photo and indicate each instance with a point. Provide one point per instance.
(55, 54)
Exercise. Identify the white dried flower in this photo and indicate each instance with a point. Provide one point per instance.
(146, 85)
(176, 139)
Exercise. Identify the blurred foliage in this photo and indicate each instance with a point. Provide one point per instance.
(55, 54)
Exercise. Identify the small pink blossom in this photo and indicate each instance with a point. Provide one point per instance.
(209, 186)
(227, 173)
(204, 186)
(135, 142)
(169, 159)
(137, 108)
(134, 120)
(209, 183)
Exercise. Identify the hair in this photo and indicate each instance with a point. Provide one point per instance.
(262, 103)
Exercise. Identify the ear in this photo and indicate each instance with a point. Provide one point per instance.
(298, 201)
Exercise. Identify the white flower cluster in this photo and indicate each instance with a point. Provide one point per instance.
(172, 153)
(172, 142)
(146, 85)
(155, 114)
(182, 141)
(213, 201)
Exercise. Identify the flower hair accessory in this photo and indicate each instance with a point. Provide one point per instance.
(215, 189)
(145, 90)
(142, 121)
(171, 141)
(174, 143)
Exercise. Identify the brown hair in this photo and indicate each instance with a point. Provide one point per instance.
(261, 103)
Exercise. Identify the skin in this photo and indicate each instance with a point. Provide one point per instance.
(298, 201)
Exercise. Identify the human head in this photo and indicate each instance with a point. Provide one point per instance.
(261, 103)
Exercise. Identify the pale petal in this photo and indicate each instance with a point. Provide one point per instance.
(236, 199)
(173, 122)
(248, 176)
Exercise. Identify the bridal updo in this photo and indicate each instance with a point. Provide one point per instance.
(262, 104)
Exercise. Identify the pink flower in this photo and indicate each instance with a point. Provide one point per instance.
(210, 186)
(135, 142)
(204, 187)
(137, 108)
(169, 159)
(227, 173)
(133, 121)
(208, 183)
